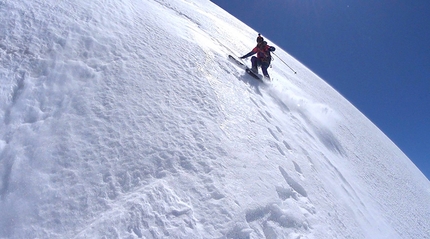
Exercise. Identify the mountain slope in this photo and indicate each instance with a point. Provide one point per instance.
(125, 119)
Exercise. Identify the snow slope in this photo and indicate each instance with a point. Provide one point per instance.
(125, 119)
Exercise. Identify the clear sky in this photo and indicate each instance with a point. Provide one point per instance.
(375, 53)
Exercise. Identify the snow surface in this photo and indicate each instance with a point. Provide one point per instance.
(125, 119)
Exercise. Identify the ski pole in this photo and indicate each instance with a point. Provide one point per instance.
(295, 72)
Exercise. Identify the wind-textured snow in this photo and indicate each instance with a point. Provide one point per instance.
(125, 119)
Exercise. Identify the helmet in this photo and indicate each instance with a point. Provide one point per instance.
(259, 38)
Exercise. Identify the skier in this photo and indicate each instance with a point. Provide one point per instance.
(263, 56)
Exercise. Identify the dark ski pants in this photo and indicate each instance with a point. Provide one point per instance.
(264, 65)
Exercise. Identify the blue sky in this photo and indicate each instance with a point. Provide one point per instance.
(375, 53)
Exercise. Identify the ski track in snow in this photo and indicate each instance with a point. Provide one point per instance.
(125, 119)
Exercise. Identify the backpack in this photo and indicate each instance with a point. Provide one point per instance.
(264, 53)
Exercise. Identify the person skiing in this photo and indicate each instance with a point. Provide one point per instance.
(263, 57)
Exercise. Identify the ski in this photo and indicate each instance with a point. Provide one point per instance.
(246, 68)
(255, 75)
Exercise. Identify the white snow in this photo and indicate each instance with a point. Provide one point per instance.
(125, 119)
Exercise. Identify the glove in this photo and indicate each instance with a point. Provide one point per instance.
(242, 57)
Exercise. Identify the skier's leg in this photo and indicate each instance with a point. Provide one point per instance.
(264, 67)
(254, 61)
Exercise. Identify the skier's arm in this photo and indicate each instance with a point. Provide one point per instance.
(272, 48)
(250, 53)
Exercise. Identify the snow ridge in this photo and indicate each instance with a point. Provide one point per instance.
(125, 119)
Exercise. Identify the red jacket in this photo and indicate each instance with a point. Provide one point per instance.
(262, 53)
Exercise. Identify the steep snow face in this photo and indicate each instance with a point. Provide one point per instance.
(125, 119)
